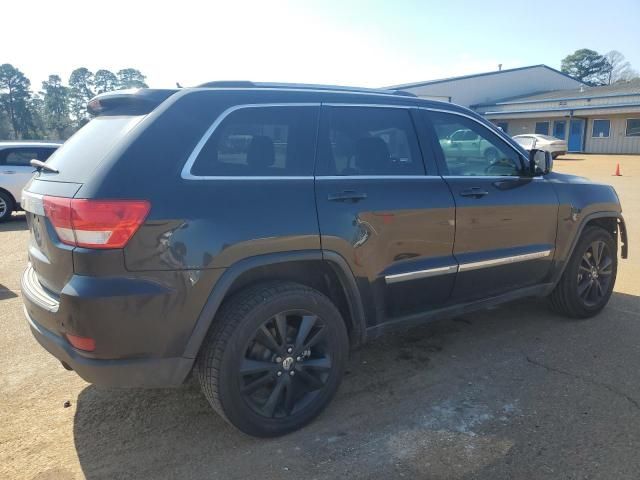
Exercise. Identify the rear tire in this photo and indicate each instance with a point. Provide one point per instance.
(6, 206)
(260, 336)
(587, 282)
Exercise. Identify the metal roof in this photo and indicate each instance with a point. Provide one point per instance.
(621, 89)
(475, 75)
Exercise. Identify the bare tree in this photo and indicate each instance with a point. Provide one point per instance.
(621, 70)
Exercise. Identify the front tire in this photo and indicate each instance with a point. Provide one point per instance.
(587, 282)
(274, 358)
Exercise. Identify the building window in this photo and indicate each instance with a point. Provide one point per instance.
(504, 126)
(542, 128)
(601, 128)
(559, 129)
(633, 127)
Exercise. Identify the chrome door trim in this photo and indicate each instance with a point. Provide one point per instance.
(186, 170)
(494, 262)
(431, 272)
(465, 267)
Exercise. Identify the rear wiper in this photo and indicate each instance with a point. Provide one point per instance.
(42, 166)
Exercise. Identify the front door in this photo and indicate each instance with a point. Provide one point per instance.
(576, 134)
(505, 220)
(377, 208)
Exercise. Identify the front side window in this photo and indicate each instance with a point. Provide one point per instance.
(261, 141)
(633, 127)
(470, 149)
(368, 141)
(542, 128)
(601, 128)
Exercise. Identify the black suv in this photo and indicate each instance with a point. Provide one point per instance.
(254, 233)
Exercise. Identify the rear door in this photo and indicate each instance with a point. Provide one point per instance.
(15, 167)
(506, 220)
(379, 208)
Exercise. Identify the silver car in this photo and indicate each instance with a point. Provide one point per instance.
(15, 170)
(553, 145)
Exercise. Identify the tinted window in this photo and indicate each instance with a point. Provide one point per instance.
(601, 128)
(542, 128)
(476, 152)
(19, 156)
(262, 141)
(369, 141)
(559, 129)
(82, 153)
(22, 156)
(633, 127)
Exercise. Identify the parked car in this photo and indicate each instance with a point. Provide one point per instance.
(15, 170)
(171, 236)
(553, 145)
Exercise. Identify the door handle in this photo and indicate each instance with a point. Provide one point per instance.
(475, 192)
(346, 196)
(9, 172)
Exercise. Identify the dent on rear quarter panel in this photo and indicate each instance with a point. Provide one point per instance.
(204, 224)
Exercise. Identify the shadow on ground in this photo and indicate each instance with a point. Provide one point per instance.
(15, 223)
(5, 293)
(369, 431)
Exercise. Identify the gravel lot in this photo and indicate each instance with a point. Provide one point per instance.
(514, 392)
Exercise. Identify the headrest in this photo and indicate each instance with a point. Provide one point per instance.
(372, 155)
(261, 153)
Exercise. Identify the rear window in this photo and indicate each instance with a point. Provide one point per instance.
(261, 141)
(82, 153)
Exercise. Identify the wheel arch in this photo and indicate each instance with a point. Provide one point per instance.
(313, 268)
(11, 197)
(611, 221)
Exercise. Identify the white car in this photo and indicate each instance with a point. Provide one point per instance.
(16, 170)
(553, 145)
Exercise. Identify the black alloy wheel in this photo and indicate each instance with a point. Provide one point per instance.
(594, 273)
(286, 364)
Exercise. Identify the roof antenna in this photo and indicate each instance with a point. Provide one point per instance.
(178, 85)
(499, 67)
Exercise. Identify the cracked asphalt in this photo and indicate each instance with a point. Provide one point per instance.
(511, 392)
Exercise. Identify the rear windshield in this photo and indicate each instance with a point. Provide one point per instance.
(83, 152)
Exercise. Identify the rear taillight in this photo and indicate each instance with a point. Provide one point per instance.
(95, 223)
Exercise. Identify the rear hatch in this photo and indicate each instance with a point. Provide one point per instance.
(59, 225)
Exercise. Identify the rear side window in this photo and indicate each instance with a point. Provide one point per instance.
(368, 141)
(261, 141)
(21, 157)
(78, 157)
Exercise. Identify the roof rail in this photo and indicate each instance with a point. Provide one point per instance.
(300, 86)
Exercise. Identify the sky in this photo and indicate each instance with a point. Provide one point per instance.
(359, 43)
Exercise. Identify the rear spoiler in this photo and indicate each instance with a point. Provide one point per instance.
(128, 102)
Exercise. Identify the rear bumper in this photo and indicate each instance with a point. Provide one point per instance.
(138, 372)
(105, 312)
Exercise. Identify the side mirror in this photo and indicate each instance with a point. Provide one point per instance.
(540, 162)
